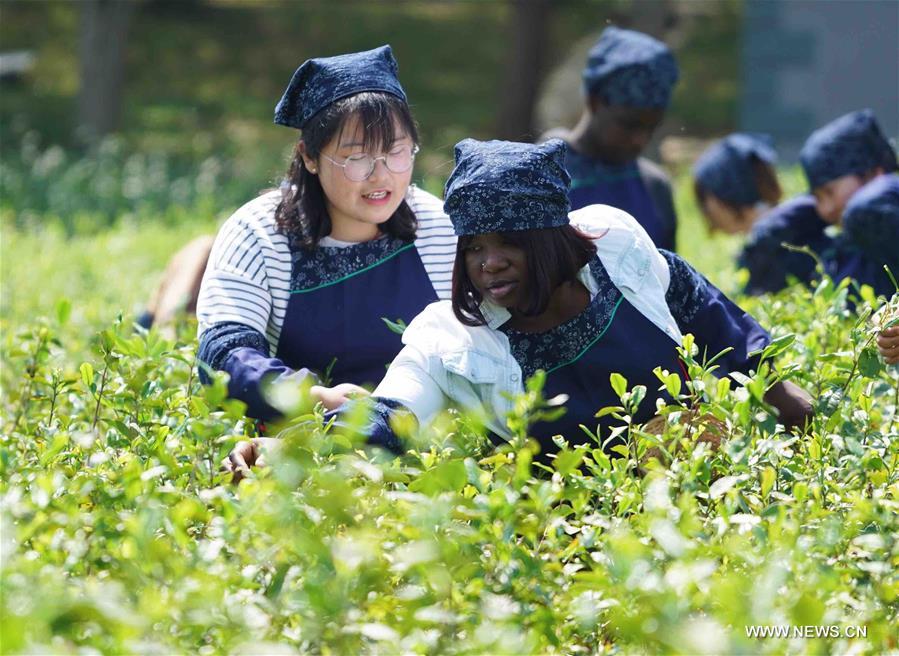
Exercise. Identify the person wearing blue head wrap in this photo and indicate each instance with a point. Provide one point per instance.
(628, 81)
(735, 181)
(576, 295)
(631, 69)
(839, 158)
(319, 82)
(870, 237)
(506, 188)
(300, 279)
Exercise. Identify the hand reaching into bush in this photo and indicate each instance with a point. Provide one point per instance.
(334, 397)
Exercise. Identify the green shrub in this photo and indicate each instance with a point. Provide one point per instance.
(119, 534)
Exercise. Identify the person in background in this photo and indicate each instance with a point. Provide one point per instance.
(578, 296)
(301, 279)
(850, 167)
(737, 191)
(839, 158)
(735, 182)
(628, 81)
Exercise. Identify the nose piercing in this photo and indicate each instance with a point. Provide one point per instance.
(483, 265)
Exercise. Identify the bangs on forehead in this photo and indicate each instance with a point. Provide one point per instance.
(379, 116)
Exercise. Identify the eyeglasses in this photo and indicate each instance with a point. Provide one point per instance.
(359, 167)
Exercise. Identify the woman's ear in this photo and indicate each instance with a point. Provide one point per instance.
(308, 162)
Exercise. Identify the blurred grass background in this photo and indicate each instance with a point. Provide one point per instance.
(201, 79)
(96, 221)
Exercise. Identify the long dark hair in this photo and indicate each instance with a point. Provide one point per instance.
(302, 214)
(553, 256)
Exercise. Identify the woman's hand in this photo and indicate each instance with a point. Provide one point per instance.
(334, 397)
(247, 454)
(794, 404)
(888, 345)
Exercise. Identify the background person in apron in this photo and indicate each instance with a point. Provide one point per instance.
(841, 160)
(627, 82)
(301, 279)
(736, 187)
(579, 295)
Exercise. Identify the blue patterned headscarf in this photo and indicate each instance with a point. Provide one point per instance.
(850, 145)
(319, 82)
(630, 68)
(725, 168)
(503, 186)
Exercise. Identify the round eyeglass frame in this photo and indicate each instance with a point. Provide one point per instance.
(374, 163)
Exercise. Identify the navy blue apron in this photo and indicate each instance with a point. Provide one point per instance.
(609, 336)
(338, 302)
(622, 186)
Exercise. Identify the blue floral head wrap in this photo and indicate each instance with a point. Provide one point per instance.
(725, 168)
(503, 186)
(319, 82)
(850, 145)
(630, 68)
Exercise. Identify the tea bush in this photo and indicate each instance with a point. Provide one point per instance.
(120, 533)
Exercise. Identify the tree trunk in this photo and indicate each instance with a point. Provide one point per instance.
(524, 69)
(104, 35)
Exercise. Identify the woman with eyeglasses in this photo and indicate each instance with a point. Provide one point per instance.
(302, 281)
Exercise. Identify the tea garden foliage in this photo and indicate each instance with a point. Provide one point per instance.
(120, 533)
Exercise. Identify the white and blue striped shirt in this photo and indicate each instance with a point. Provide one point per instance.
(247, 280)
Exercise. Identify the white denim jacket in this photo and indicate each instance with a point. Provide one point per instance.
(446, 362)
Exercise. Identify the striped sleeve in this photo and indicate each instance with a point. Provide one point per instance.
(247, 280)
(435, 240)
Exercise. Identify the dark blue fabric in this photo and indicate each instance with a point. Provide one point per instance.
(319, 82)
(500, 186)
(609, 336)
(769, 264)
(550, 349)
(850, 145)
(725, 168)
(629, 344)
(870, 237)
(621, 186)
(715, 321)
(630, 68)
(377, 430)
(145, 320)
(848, 262)
(242, 352)
(328, 264)
(871, 219)
(342, 316)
